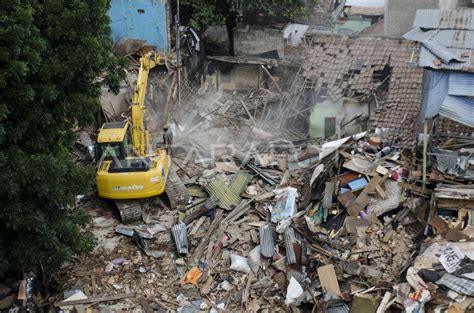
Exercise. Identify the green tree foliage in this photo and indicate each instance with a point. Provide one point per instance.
(219, 12)
(51, 53)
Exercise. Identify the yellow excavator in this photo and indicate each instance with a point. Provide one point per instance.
(128, 167)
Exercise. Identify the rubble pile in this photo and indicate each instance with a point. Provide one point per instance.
(270, 226)
(229, 119)
(278, 222)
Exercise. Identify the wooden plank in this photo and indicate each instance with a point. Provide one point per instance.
(272, 79)
(359, 204)
(346, 198)
(202, 244)
(414, 188)
(247, 111)
(328, 279)
(382, 170)
(347, 177)
(380, 191)
(198, 225)
(362, 200)
(246, 293)
(94, 300)
(94, 285)
(373, 183)
(242, 208)
(443, 228)
(455, 203)
(199, 212)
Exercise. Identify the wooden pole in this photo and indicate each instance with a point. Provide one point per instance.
(425, 150)
(272, 79)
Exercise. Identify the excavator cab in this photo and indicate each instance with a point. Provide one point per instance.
(115, 144)
(121, 173)
(114, 141)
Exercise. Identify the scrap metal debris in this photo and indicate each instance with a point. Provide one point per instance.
(342, 231)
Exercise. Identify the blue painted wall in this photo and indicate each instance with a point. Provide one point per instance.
(140, 19)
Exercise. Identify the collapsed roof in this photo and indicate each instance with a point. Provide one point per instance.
(378, 70)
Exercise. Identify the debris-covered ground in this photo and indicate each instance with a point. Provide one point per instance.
(282, 225)
(278, 222)
(362, 221)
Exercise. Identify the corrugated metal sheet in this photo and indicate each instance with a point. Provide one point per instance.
(428, 59)
(460, 39)
(240, 182)
(455, 19)
(459, 109)
(447, 38)
(280, 279)
(365, 3)
(428, 19)
(267, 244)
(339, 307)
(440, 51)
(461, 84)
(180, 236)
(242, 157)
(227, 199)
(196, 190)
(418, 34)
(445, 93)
(435, 89)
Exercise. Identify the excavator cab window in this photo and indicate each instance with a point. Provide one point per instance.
(111, 150)
(116, 150)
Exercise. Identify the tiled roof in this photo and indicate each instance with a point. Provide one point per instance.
(358, 67)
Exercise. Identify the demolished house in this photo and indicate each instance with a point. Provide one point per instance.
(278, 221)
(378, 73)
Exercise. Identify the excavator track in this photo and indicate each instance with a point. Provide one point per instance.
(129, 210)
(176, 190)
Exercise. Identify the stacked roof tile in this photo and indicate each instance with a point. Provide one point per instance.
(342, 66)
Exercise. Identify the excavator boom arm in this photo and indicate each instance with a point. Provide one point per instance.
(140, 137)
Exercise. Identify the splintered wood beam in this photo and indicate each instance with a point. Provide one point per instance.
(272, 79)
(247, 111)
(204, 241)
